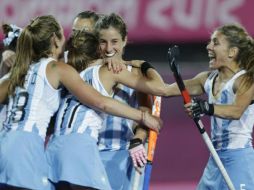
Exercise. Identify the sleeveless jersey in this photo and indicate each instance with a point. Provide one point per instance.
(73, 116)
(117, 131)
(31, 107)
(228, 133)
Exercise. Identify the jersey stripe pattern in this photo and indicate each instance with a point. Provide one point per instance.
(73, 116)
(227, 133)
(32, 106)
(117, 131)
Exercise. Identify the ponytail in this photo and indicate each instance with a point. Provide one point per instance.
(24, 55)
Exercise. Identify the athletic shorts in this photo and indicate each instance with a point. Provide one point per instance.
(239, 164)
(119, 168)
(74, 158)
(23, 161)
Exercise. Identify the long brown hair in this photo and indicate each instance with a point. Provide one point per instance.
(82, 49)
(33, 44)
(237, 36)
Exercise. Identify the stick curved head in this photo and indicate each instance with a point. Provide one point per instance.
(173, 53)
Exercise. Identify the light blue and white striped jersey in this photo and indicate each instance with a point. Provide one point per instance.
(73, 116)
(117, 131)
(31, 107)
(228, 133)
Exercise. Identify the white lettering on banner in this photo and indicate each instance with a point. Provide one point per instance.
(210, 16)
(221, 12)
(151, 16)
(63, 10)
(226, 7)
(190, 19)
(154, 14)
(21, 12)
(188, 13)
(128, 10)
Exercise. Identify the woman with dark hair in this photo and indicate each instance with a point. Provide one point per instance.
(33, 92)
(120, 138)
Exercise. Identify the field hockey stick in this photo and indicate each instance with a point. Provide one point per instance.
(138, 175)
(172, 54)
(150, 147)
(152, 139)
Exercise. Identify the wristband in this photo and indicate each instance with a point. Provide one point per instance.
(145, 66)
(135, 142)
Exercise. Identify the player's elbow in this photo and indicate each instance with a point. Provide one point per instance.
(104, 105)
(100, 104)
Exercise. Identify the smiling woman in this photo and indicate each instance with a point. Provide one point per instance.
(117, 134)
(112, 33)
(230, 90)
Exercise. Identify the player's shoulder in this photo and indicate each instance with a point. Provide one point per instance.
(58, 65)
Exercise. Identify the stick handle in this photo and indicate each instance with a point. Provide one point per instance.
(137, 179)
(152, 140)
(148, 172)
(150, 147)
